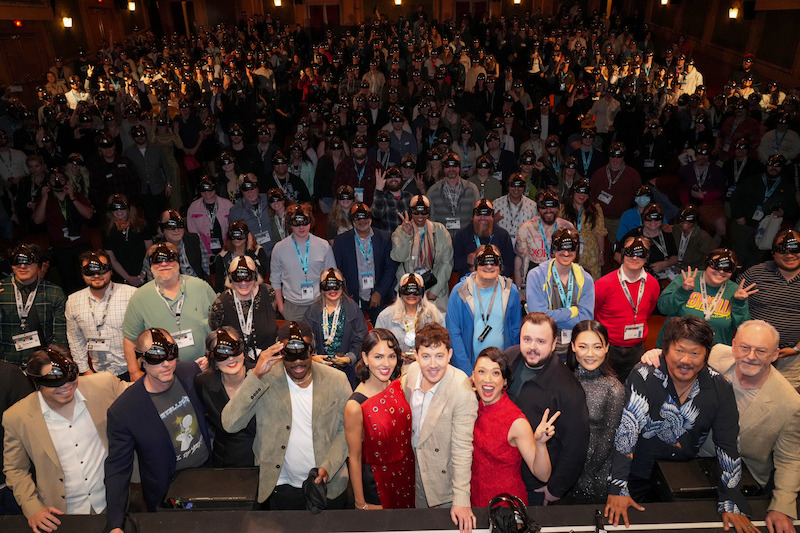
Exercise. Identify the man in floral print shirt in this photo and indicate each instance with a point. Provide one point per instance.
(668, 414)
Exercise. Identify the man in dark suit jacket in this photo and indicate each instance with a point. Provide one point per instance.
(173, 228)
(153, 171)
(161, 419)
(362, 255)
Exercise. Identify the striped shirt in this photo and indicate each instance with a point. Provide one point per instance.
(776, 300)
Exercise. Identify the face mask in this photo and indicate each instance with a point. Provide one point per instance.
(642, 201)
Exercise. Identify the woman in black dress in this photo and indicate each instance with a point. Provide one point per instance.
(126, 240)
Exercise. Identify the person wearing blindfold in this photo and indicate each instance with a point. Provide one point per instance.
(65, 419)
(94, 318)
(710, 294)
(561, 288)
(230, 177)
(65, 213)
(409, 313)
(178, 301)
(253, 208)
(364, 256)
(160, 418)
(358, 171)
(692, 242)
(23, 328)
(339, 217)
(484, 310)
(391, 198)
(703, 184)
(614, 186)
(587, 217)
(514, 208)
(481, 231)
(248, 306)
(227, 369)
(663, 254)
(738, 167)
(240, 242)
(208, 216)
(193, 255)
(292, 185)
(286, 374)
(377, 420)
(451, 197)
(776, 299)
(297, 263)
(126, 240)
(338, 325)
(111, 173)
(488, 187)
(624, 301)
(151, 165)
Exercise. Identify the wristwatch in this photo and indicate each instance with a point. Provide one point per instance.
(796, 348)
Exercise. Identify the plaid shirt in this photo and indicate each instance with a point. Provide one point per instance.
(49, 307)
(346, 175)
(386, 206)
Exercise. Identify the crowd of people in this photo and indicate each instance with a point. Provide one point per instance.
(470, 174)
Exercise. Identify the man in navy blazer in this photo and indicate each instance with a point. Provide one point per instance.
(362, 255)
(161, 419)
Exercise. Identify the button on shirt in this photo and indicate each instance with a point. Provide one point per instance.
(420, 401)
(81, 454)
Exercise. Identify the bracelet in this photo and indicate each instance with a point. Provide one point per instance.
(363, 508)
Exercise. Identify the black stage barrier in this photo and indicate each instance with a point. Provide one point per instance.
(671, 517)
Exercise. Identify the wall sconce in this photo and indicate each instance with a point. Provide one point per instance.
(733, 12)
(17, 23)
(664, 2)
(398, 2)
(67, 21)
(517, 2)
(277, 3)
(131, 6)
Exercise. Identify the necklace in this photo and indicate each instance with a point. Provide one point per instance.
(303, 381)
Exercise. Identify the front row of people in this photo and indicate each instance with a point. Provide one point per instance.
(422, 436)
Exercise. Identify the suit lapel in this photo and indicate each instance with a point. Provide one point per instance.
(38, 428)
(753, 416)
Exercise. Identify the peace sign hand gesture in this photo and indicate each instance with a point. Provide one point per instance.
(743, 292)
(545, 430)
(689, 278)
(405, 222)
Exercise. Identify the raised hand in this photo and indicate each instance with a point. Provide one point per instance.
(405, 222)
(268, 358)
(380, 179)
(743, 292)
(545, 430)
(689, 278)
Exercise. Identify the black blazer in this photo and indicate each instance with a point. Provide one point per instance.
(344, 251)
(192, 244)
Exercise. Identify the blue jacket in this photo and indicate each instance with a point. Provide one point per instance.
(135, 426)
(540, 296)
(460, 320)
(344, 251)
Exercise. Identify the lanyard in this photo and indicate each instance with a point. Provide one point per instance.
(684, 244)
(661, 244)
(302, 258)
(587, 158)
(768, 190)
(485, 316)
(566, 299)
(737, 172)
(611, 182)
(627, 292)
(514, 216)
(366, 253)
(107, 298)
(211, 214)
(547, 245)
(778, 142)
(700, 177)
(329, 328)
(579, 220)
(709, 310)
(177, 311)
(23, 310)
(280, 185)
(256, 213)
(556, 164)
(360, 173)
(478, 241)
(383, 158)
(245, 323)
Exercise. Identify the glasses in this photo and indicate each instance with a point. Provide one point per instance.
(744, 350)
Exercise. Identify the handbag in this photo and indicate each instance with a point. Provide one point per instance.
(316, 494)
(429, 279)
(507, 514)
(767, 229)
(191, 163)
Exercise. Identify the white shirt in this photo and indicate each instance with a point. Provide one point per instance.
(420, 401)
(642, 276)
(514, 215)
(81, 454)
(299, 458)
(83, 313)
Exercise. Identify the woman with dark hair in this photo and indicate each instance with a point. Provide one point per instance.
(502, 436)
(588, 359)
(338, 219)
(240, 242)
(338, 325)
(587, 217)
(377, 425)
(126, 240)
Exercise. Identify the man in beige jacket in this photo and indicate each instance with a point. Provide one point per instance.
(443, 412)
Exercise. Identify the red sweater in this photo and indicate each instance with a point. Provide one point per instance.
(611, 307)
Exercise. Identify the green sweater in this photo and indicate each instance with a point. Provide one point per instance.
(675, 301)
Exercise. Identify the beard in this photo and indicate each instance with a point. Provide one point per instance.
(483, 230)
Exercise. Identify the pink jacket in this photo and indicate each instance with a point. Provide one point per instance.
(197, 219)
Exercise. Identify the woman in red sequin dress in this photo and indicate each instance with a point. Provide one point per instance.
(503, 437)
(377, 423)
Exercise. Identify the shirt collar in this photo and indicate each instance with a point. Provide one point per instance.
(48, 411)
(641, 277)
(418, 385)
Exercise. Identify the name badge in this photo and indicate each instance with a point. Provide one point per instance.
(216, 244)
(262, 238)
(497, 175)
(306, 291)
(565, 336)
(729, 192)
(649, 163)
(605, 197)
(367, 280)
(359, 194)
(23, 341)
(98, 344)
(452, 223)
(109, 175)
(184, 338)
(580, 248)
(634, 331)
(726, 146)
(758, 214)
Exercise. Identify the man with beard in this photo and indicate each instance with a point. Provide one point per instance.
(358, 171)
(390, 199)
(535, 237)
(513, 209)
(110, 173)
(173, 300)
(94, 318)
(153, 171)
(161, 419)
(451, 197)
(288, 389)
(484, 310)
(194, 256)
(614, 186)
(482, 231)
(542, 381)
(292, 186)
(366, 264)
